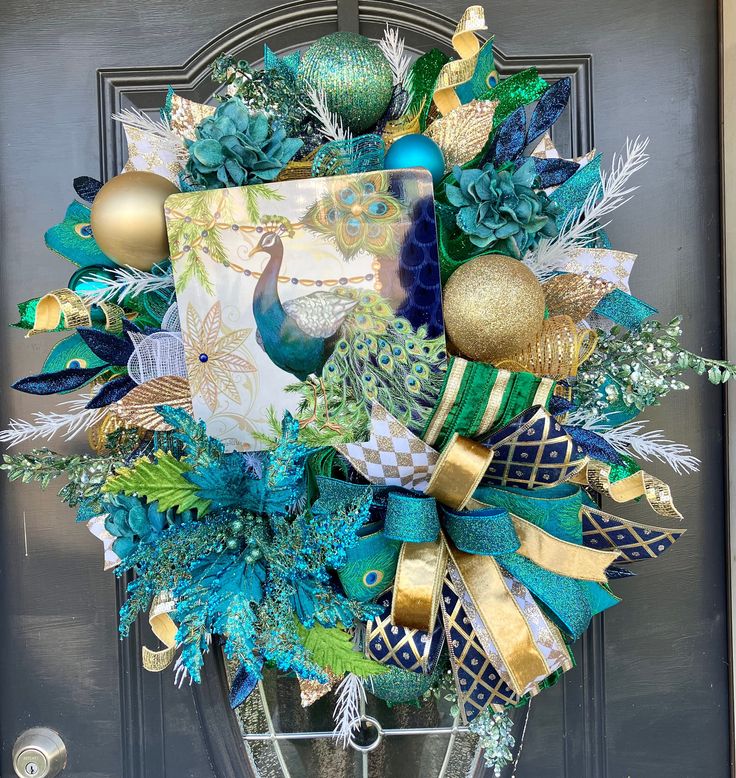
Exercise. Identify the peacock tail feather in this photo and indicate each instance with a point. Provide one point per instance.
(378, 358)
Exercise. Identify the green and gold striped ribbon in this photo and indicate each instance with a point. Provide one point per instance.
(477, 398)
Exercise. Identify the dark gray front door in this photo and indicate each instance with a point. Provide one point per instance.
(649, 696)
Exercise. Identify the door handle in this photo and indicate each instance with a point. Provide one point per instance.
(39, 753)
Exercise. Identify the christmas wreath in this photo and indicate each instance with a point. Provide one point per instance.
(423, 519)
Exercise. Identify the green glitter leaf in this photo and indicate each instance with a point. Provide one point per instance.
(332, 647)
(163, 481)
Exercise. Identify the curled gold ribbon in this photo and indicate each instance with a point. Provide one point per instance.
(466, 44)
(51, 307)
(67, 303)
(597, 476)
(164, 628)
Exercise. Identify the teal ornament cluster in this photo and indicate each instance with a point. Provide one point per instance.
(416, 150)
(354, 75)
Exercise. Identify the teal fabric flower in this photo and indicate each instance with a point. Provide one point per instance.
(132, 521)
(500, 209)
(235, 147)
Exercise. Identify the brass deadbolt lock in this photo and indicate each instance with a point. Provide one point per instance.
(39, 753)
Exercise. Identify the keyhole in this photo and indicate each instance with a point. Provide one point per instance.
(32, 768)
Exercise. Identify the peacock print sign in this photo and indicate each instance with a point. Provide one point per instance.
(289, 289)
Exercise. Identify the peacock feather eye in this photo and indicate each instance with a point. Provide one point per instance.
(348, 196)
(412, 384)
(372, 578)
(83, 230)
(75, 364)
(378, 208)
(369, 187)
(342, 347)
(332, 216)
(352, 226)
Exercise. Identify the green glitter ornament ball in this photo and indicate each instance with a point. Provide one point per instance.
(354, 75)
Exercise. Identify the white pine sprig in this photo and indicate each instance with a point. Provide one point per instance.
(132, 117)
(632, 439)
(578, 229)
(331, 124)
(45, 425)
(125, 281)
(347, 713)
(392, 46)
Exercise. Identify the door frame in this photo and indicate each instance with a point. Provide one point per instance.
(728, 248)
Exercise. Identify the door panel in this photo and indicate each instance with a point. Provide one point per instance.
(649, 696)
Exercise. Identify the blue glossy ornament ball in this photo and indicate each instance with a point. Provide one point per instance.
(416, 151)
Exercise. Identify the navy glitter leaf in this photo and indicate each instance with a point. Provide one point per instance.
(60, 381)
(87, 188)
(112, 391)
(558, 405)
(549, 108)
(594, 445)
(243, 684)
(614, 573)
(112, 349)
(510, 139)
(553, 172)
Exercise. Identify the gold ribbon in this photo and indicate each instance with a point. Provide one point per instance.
(64, 302)
(405, 125)
(164, 628)
(466, 44)
(557, 351)
(421, 566)
(597, 476)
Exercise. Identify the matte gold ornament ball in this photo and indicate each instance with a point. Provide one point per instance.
(493, 305)
(127, 219)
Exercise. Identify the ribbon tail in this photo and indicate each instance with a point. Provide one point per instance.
(561, 557)
(596, 475)
(419, 575)
(164, 628)
(516, 636)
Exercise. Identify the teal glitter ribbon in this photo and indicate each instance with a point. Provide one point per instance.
(557, 511)
(571, 196)
(490, 532)
(624, 309)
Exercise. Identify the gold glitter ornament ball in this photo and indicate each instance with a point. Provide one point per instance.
(492, 306)
(353, 73)
(127, 219)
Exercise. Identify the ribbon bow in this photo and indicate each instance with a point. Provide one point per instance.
(490, 558)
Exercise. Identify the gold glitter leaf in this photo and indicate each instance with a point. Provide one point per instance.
(463, 133)
(186, 115)
(138, 407)
(311, 691)
(574, 295)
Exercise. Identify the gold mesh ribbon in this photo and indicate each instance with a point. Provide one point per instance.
(466, 44)
(164, 628)
(64, 302)
(557, 351)
(597, 476)
(575, 295)
(297, 170)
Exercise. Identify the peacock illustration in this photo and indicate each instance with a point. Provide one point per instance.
(298, 335)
